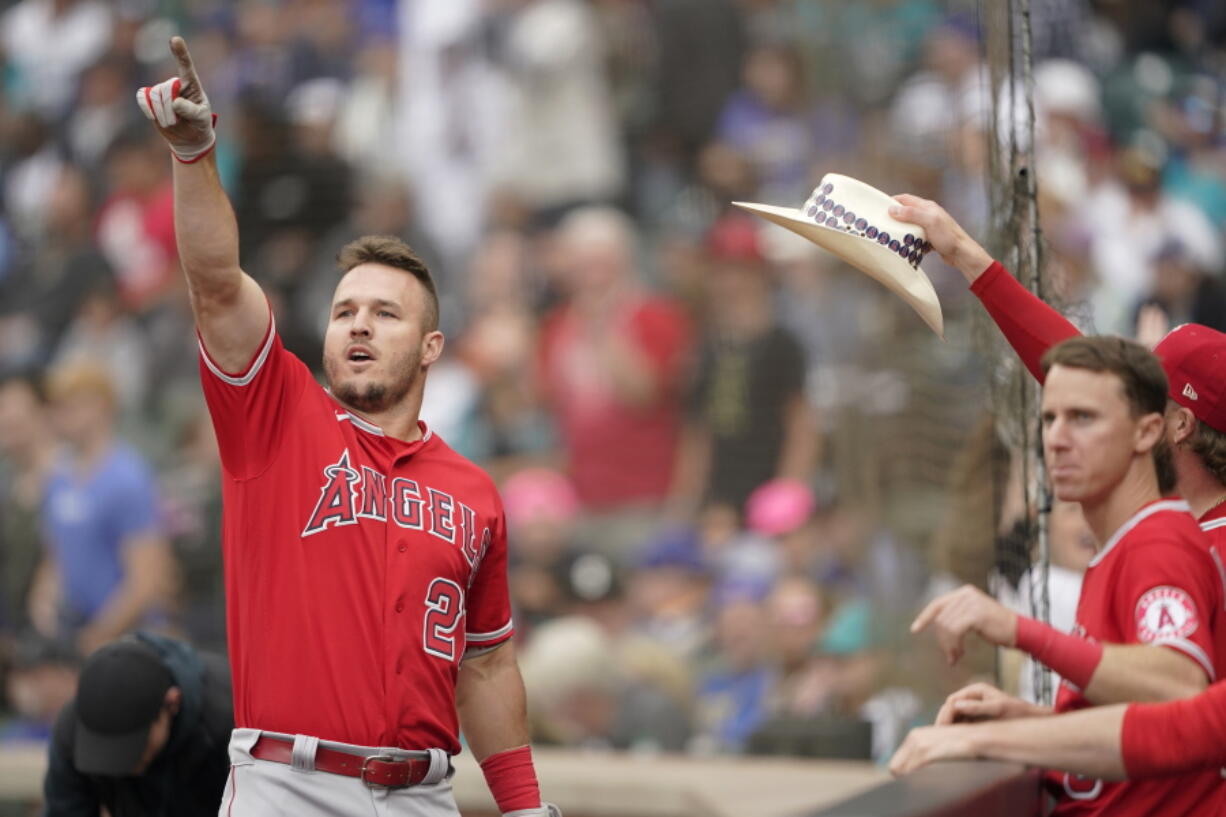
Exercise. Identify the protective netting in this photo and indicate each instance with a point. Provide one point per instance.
(1014, 31)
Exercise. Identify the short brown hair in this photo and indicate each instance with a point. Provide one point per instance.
(1139, 372)
(391, 252)
(1209, 444)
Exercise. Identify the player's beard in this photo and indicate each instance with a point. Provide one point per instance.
(375, 397)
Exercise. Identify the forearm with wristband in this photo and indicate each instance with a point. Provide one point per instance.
(1072, 658)
(511, 777)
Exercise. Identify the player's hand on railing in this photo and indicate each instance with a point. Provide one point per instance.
(967, 610)
(927, 744)
(946, 235)
(180, 108)
(984, 702)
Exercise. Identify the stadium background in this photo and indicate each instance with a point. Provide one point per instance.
(655, 614)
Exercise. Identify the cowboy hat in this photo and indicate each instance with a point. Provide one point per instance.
(851, 219)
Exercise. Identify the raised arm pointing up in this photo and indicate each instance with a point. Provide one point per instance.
(231, 312)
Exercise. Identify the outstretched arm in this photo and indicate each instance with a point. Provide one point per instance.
(1085, 742)
(1112, 673)
(1029, 325)
(1109, 742)
(231, 311)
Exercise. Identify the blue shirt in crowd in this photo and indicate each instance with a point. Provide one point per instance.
(89, 516)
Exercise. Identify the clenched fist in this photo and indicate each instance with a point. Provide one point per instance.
(180, 109)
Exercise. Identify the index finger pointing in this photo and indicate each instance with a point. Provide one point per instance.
(178, 47)
(927, 615)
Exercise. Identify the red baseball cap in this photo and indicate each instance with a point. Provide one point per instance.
(1194, 358)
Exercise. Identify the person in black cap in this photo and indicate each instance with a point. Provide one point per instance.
(146, 733)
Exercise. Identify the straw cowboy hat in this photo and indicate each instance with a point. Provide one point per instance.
(851, 220)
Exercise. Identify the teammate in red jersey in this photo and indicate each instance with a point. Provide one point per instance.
(1195, 414)
(365, 561)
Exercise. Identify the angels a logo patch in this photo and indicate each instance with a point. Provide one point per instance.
(1165, 613)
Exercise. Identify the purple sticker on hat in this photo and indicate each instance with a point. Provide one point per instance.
(827, 205)
(883, 238)
(819, 200)
(849, 217)
(820, 218)
(827, 188)
(871, 232)
(838, 209)
(861, 224)
(908, 239)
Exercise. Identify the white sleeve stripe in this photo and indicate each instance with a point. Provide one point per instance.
(1191, 650)
(243, 379)
(474, 652)
(495, 635)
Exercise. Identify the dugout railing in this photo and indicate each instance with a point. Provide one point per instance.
(593, 784)
(961, 789)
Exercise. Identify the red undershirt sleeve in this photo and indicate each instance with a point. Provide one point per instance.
(1176, 736)
(1030, 325)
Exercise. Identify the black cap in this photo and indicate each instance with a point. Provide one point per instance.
(119, 696)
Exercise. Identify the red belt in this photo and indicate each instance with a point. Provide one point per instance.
(374, 770)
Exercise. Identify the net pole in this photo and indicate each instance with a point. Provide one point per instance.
(1038, 490)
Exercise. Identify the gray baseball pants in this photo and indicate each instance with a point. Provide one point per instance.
(263, 788)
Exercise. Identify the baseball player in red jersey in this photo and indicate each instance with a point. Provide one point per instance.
(1162, 613)
(365, 561)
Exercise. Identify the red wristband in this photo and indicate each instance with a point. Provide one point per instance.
(511, 778)
(1072, 658)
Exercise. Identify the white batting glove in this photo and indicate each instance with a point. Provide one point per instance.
(546, 810)
(180, 109)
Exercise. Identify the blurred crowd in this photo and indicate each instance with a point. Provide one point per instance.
(660, 386)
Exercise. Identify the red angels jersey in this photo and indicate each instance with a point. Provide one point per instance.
(360, 569)
(1153, 582)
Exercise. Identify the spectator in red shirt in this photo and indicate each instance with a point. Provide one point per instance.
(610, 360)
(135, 228)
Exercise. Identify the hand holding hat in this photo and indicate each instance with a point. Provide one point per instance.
(946, 235)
